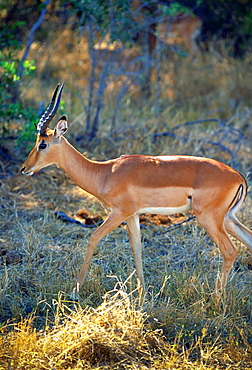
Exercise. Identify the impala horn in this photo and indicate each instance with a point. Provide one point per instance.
(50, 111)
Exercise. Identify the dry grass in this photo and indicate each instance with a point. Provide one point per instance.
(178, 326)
(114, 336)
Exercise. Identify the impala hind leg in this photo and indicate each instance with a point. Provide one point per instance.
(114, 219)
(237, 229)
(228, 250)
(135, 243)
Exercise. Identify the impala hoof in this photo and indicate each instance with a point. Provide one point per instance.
(74, 296)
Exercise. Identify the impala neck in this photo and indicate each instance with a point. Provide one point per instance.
(85, 173)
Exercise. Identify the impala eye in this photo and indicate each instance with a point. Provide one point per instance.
(42, 145)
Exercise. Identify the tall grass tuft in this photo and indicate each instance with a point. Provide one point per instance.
(115, 335)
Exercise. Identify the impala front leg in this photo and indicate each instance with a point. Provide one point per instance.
(113, 221)
(135, 243)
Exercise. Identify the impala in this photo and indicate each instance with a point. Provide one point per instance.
(185, 26)
(133, 184)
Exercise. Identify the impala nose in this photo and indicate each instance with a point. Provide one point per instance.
(25, 172)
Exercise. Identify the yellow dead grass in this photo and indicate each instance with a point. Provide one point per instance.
(113, 336)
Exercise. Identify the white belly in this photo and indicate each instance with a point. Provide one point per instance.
(166, 210)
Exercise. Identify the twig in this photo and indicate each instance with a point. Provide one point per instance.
(225, 133)
(65, 218)
(4, 154)
(99, 100)
(28, 46)
(91, 79)
(176, 225)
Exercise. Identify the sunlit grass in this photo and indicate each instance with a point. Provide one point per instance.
(117, 335)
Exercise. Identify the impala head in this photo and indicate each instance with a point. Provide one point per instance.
(45, 151)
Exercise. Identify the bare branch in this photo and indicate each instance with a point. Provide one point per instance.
(28, 46)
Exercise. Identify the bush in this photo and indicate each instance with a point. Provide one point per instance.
(10, 105)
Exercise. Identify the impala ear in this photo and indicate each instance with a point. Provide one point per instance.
(61, 126)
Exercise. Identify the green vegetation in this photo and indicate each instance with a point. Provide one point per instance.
(10, 107)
